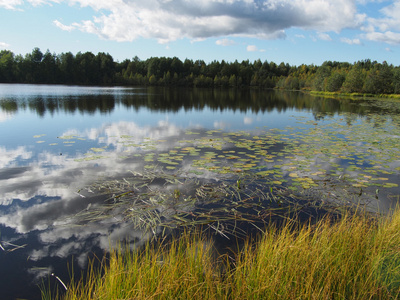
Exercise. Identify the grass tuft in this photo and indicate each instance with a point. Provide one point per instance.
(353, 257)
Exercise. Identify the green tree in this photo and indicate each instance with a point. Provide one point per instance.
(335, 82)
(379, 79)
(396, 80)
(153, 80)
(6, 66)
(106, 68)
(232, 80)
(50, 68)
(354, 80)
(67, 68)
(321, 76)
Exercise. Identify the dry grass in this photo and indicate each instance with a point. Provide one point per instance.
(355, 257)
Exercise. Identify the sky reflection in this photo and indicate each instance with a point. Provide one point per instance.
(58, 144)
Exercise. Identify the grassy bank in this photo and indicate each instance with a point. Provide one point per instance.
(355, 257)
(354, 95)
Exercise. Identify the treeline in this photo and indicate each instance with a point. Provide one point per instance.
(88, 69)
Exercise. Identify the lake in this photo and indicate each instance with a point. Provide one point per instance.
(85, 167)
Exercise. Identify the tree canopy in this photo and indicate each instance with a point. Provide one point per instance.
(364, 76)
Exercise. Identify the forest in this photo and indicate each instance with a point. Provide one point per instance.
(364, 76)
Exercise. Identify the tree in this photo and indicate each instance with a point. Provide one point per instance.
(49, 68)
(6, 66)
(321, 75)
(106, 68)
(354, 80)
(36, 56)
(379, 79)
(153, 80)
(335, 82)
(232, 80)
(396, 80)
(32, 66)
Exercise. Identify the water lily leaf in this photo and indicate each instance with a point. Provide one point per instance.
(67, 137)
(390, 185)
(89, 158)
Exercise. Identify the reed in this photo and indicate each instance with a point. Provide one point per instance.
(353, 257)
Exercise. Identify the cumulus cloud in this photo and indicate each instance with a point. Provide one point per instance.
(388, 37)
(252, 48)
(64, 27)
(324, 36)
(172, 20)
(351, 41)
(4, 45)
(10, 4)
(225, 42)
(15, 4)
(385, 29)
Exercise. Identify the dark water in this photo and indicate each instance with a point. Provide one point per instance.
(59, 142)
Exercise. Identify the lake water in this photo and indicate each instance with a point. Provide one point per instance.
(66, 149)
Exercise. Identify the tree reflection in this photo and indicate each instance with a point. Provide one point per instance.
(158, 99)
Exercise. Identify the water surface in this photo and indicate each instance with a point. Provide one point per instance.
(59, 144)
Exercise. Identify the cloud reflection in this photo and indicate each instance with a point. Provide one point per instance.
(50, 184)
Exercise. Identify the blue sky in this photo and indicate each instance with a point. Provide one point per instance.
(290, 31)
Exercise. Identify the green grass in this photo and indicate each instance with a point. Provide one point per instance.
(354, 95)
(355, 257)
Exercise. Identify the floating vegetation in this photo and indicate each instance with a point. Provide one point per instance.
(90, 158)
(225, 178)
(97, 149)
(156, 202)
(10, 247)
(67, 137)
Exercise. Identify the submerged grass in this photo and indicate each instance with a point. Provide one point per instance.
(353, 257)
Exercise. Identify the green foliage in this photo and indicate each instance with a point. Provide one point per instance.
(89, 69)
(354, 80)
(321, 77)
(335, 82)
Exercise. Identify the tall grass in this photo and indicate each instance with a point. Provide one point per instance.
(355, 257)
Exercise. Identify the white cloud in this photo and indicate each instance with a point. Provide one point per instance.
(63, 27)
(4, 45)
(252, 48)
(351, 41)
(388, 37)
(385, 29)
(10, 4)
(324, 36)
(41, 2)
(172, 20)
(166, 21)
(15, 4)
(225, 42)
